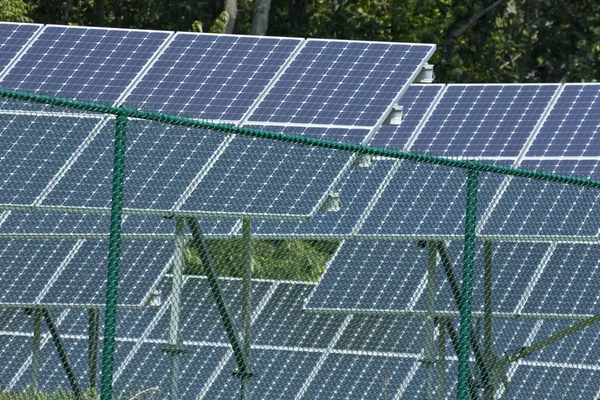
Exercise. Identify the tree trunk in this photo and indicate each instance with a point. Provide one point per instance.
(260, 18)
(68, 8)
(99, 5)
(231, 8)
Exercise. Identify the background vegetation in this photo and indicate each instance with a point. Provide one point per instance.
(478, 40)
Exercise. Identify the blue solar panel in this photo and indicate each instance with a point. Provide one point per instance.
(425, 199)
(400, 335)
(345, 376)
(32, 151)
(85, 63)
(484, 120)
(372, 275)
(211, 76)
(540, 208)
(161, 162)
(572, 126)
(565, 290)
(356, 191)
(283, 323)
(342, 83)
(16, 222)
(258, 176)
(274, 378)
(200, 320)
(197, 364)
(415, 103)
(73, 273)
(13, 38)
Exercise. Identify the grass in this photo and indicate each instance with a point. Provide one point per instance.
(64, 394)
(294, 260)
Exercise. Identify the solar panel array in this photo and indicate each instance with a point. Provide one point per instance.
(345, 337)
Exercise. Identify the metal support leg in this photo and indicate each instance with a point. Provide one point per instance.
(246, 304)
(35, 354)
(175, 347)
(430, 357)
(467, 285)
(442, 359)
(93, 333)
(488, 390)
(62, 353)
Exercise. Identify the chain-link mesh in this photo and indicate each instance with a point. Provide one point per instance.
(150, 256)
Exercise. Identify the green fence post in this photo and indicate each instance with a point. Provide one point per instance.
(114, 255)
(467, 285)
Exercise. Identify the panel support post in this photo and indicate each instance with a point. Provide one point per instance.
(93, 328)
(430, 356)
(114, 255)
(175, 348)
(488, 390)
(467, 285)
(35, 355)
(442, 359)
(246, 304)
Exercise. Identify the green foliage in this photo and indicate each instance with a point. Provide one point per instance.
(296, 260)
(220, 23)
(477, 40)
(14, 11)
(63, 394)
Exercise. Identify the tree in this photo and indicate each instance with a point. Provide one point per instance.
(14, 11)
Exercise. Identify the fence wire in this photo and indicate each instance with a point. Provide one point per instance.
(150, 256)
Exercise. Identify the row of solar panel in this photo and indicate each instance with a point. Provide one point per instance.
(248, 167)
(294, 354)
(212, 76)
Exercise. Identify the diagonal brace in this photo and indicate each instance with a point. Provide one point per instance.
(62, 352)
(201, 246)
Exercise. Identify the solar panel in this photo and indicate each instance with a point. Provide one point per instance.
(572, 211)
(258, 176)
(73, 273)
(12, 39)
(342, 82)
(211, 76)
(85, 63)
(425, 199)
(356, 190)
(572, 124)
(484, 120)
(415, 103)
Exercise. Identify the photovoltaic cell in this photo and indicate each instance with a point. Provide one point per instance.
(356, 191)
(415, 103)
(342, 83)
(73, 273)
(161, 161)
(13, 38)
(484, 120)
(426, 199)
(346, 376)
(84, 63)
(259, 176)
(573, 124)
(200, 321)
(283, 322)
(530, 207)
(282, 375)
(372, 275)
(211, 76)
(32, 151)
(197, 364)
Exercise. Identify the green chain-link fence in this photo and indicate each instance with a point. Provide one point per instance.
(206, 260)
